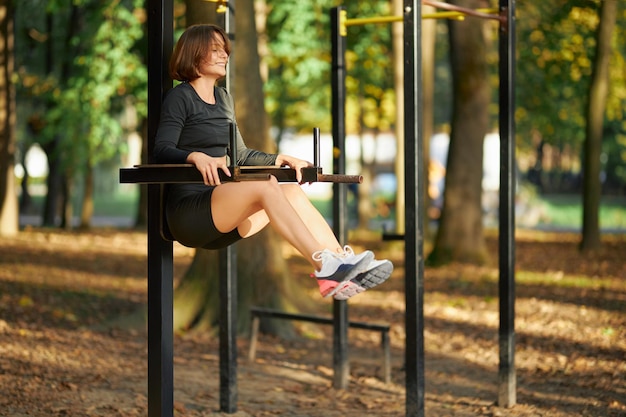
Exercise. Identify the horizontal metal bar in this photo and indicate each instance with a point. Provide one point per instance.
(261, 312)
(393, 236)
(350, 179)
(487, 13)
(187, 173)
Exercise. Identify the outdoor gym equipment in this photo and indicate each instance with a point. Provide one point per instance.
(414, 192)
(160, 250)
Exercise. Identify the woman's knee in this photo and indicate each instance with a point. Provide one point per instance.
(294, 192)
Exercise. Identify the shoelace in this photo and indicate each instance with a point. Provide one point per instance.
(319, 255)
(347, 251)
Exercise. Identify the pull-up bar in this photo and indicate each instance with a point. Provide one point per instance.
(457, 15)
(481, 13)
(452, 12)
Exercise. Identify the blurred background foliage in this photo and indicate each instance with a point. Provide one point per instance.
(81, 85)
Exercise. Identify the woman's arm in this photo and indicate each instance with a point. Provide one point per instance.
(171, 122)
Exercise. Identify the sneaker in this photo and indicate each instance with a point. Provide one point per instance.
(377, 272)
(338, 268)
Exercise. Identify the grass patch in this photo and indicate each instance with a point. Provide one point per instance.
(114, 205)
(567, 211)
(119, 204)
(560, 280)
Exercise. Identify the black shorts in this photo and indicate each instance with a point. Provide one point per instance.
(189, 218)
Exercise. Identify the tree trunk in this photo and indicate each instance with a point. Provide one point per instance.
(596, 106)
(429, 34)
(54, 182)
(67, 210)
(141, 219)
(9, 213)
(428, 87)
(263, 277)
(364, 209)
(86, 213)
(460, 234)
(397, 31)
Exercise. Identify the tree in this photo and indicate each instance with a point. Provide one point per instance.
(262, 273)
(559, 41)
(78, 72)
(8, 195)
(460, 233)
(596, 105)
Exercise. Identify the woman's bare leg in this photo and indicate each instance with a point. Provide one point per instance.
(311, 217)
(237, 204)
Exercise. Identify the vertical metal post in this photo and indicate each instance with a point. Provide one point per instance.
(414, 195)
(316, 146)
(228, 262)
(160, 252)
(506, 369)
(228, 329)
(229, 27)
(340, 308)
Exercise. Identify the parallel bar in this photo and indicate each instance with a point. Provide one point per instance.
(414, 195)
(340, 178)
(187, 173)
(506, 333)
(160, 251)
(340, 308)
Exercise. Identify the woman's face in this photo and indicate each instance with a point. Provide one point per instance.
(214, 65)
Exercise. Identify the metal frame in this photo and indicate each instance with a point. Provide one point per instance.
(414, 188)
(160, 251)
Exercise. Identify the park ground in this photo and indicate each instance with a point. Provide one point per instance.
(64, 351)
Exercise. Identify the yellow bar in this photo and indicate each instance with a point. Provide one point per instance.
(444, 15)
(368, 20)
(390, 19)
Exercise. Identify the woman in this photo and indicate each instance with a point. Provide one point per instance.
(194, 128)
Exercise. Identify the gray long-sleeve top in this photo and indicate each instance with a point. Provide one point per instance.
(189, 124)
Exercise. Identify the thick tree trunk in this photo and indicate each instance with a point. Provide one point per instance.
(596, 106)
(428, 87)
(460, 234)
(67, 210)
(9, 213)
(263, 277)
(141, 219)
(86, 213)
(54, 184)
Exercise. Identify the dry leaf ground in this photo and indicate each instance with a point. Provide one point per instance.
(56, 359)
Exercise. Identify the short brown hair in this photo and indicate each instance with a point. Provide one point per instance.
(192, 47)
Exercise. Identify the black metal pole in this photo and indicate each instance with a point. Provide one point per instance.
(414, 195)
(340, 308)
(229, 27)
(160, 251)
(506, 369)
(316, 146)
(228, 264)
(228, 329)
